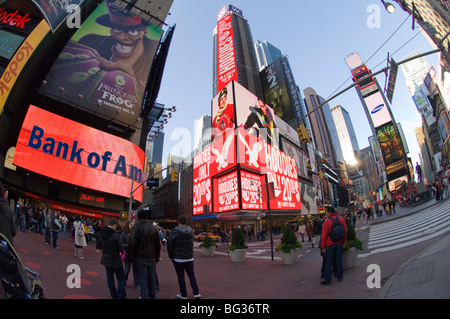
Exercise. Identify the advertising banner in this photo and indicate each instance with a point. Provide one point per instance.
(20, 59)
(255, 116)
(105, 66)
(391, 147)
(217, 158)
(226, 59)
(277, 93)
(223, 113)
(299, 156)
(368, 85)
(226, 193)
(281, 169)
(378, 109)
(56, 11)
(252, 191)
(81, 155)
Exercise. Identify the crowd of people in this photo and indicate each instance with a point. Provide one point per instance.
(134, 245)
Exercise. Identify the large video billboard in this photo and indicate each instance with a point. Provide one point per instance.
(378, 109)
(226, 55)
(20, 58)
(105, 66)
(391, 147)
(280, 91)
(81, 155)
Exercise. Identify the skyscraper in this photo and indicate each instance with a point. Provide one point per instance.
(234, 52)
(266, 53)
(320, 127)
(346, 134)
(201, 127)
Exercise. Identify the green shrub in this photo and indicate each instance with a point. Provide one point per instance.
(288, 241)
(238, 240)
(208, 242)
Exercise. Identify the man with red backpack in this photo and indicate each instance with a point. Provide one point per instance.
(334, 235)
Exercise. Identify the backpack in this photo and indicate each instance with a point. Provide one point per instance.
(337, 231)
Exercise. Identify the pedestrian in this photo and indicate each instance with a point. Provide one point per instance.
(47, 225)
(309, 230)
(332, 249)
(7, 225)
(64, 221)
(301, 230)
(125, 236)
(144, 252)
(111, 243)
(180, 248)
(55, 228)
(317, 231)
(80, 238)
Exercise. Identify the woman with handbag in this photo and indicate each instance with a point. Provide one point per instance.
(80, 239)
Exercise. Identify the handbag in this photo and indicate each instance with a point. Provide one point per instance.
(80, 231)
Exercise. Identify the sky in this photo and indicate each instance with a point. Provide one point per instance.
(316, 36)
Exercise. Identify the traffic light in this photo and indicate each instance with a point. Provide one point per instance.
(320, 175)
(306, 134)
(303, 133)
(174, 176)
(300, 133)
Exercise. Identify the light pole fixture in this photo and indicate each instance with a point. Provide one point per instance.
(389, 6)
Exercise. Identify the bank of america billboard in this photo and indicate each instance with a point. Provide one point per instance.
(105, 66)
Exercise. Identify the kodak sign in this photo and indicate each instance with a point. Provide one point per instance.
(20, 58)
(14, 19)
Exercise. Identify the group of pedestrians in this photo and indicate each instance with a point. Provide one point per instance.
(138, 247)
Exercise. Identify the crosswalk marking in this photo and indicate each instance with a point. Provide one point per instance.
(403, 232)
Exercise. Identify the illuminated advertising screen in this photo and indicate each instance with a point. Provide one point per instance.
(226, 55)
(217, 158)
(255, 116)
(81, 155)
(20, 59)
(299, 156)
(9, 43)
(366, 86)
(226, 193)
(280, 168)
(378, 109)
(105, 66)
(252, 191)
(390, 144)
(277, 94)
(223, 112)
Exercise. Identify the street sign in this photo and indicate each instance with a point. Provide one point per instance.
(392, 78)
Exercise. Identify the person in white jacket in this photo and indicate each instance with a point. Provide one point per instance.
(80, 239)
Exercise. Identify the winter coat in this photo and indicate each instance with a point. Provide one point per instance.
(79, 240)
(181, 243)
(325, 239)
(144, 242)
(7, 226)
(111, 248)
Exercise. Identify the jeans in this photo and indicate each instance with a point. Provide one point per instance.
(120, 292)
(333, 251)
(55, 237)
(145, 276)
(47, 235)
(180, 268)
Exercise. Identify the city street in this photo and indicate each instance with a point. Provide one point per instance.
(257, 278)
